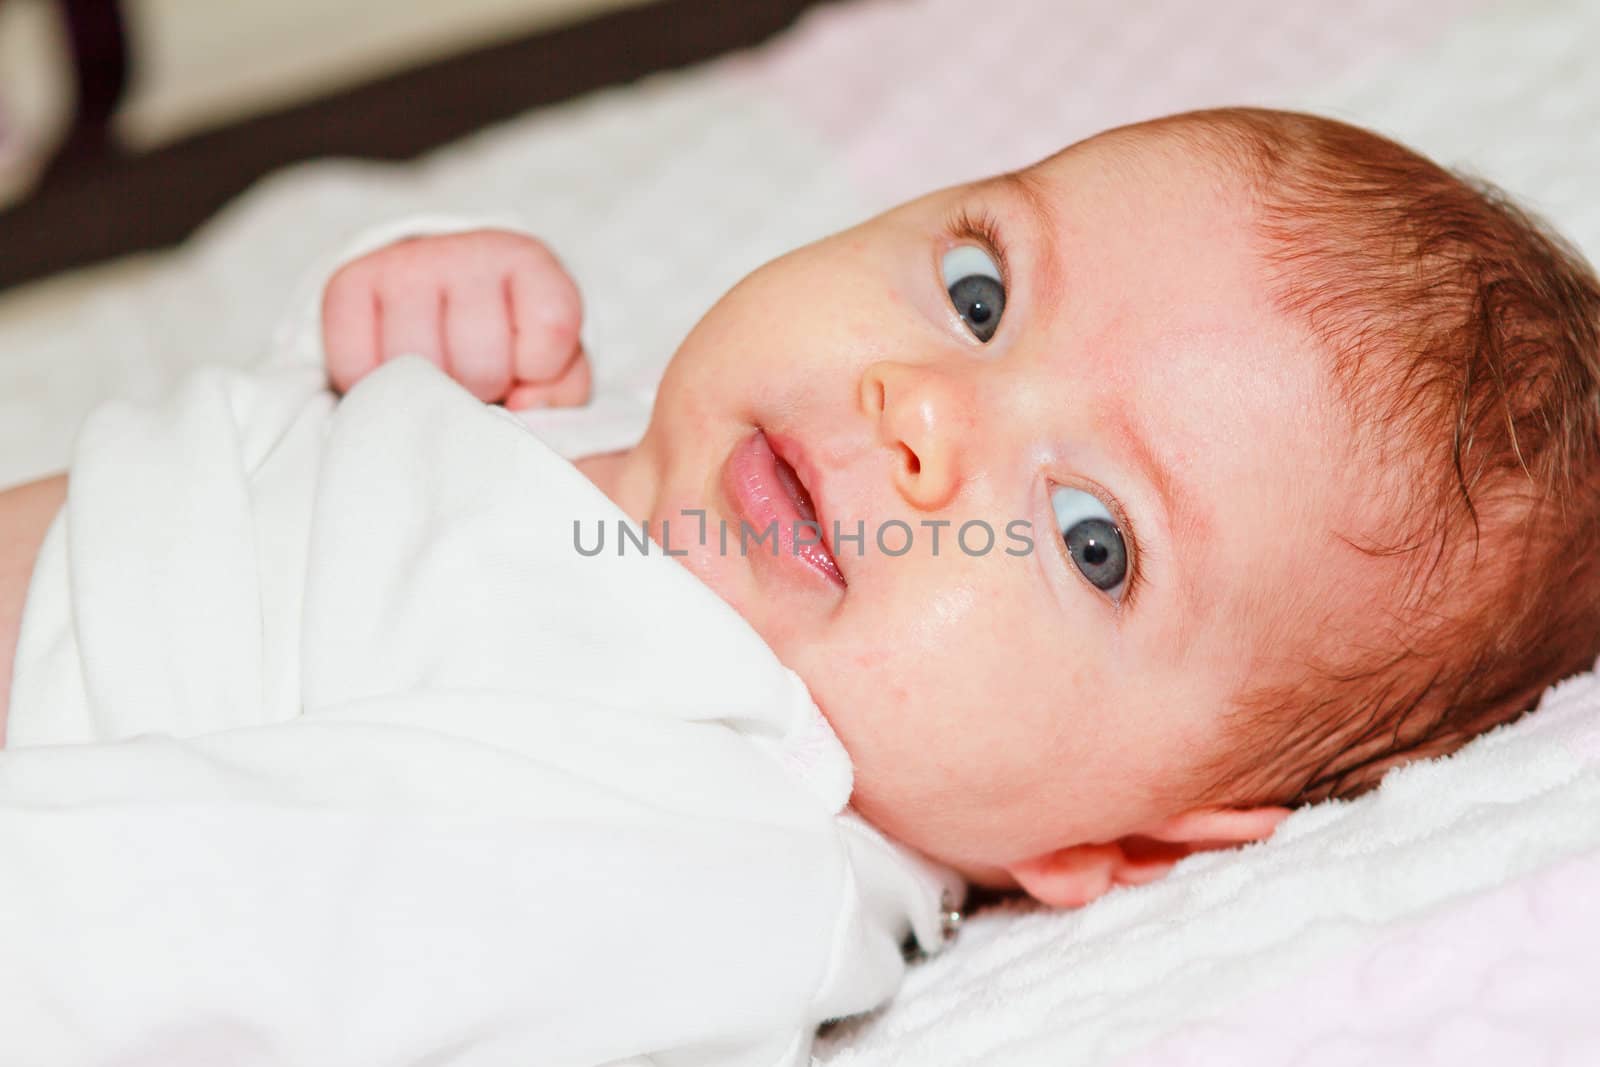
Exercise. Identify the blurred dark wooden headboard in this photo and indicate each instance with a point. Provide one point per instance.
(96, 202)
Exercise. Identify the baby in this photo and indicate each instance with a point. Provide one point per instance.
(1108, 509)
(1304, 428)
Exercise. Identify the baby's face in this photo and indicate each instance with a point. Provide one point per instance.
(1164, 441)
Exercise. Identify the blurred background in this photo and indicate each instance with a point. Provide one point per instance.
(126, 123)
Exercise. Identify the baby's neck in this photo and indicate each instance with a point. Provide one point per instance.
(625, 477)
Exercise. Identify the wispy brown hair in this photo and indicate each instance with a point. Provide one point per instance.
(1466, 336)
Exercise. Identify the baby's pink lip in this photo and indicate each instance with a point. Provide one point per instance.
(794, 454)
(762, 491)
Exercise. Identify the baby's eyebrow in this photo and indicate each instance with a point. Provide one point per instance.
(1026, 187)
(1188, 526)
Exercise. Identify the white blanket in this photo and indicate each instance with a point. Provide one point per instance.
(328, 747)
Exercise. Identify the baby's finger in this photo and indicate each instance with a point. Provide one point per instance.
(478, 340)
(569, 389)
(411, 321)
(546, 314)
(349, 329)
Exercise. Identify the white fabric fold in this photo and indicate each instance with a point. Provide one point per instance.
(329, 747)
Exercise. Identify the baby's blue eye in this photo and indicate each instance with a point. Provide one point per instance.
(1093, 540)
(975, 289)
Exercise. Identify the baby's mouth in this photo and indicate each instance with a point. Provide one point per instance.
(763, 479)
(795, 488)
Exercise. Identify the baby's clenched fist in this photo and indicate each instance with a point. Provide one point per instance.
(494, 309)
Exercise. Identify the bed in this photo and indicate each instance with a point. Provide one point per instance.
(1447, 918)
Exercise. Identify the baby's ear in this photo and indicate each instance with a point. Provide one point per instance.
(1073, 876)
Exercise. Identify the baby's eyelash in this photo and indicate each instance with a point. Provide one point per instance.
(1136, 550)
(976, 224)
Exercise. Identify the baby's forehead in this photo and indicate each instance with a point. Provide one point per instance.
(1133, 159)
(1149, 220)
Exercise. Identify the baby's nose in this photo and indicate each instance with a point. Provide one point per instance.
(921, 413)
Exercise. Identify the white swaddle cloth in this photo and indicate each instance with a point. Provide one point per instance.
(327, 746)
